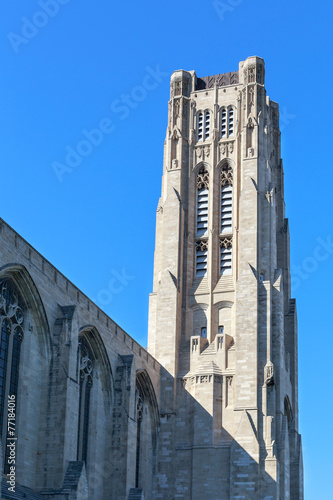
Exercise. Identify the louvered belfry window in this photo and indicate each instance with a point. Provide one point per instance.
(203, 126)
(226, 209)
(226, 182)
(227, 122)
(200, 126)
(207, 125)
(230, 122)
(223, 123)
(202, 222)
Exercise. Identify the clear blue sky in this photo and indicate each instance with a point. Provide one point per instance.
(70, 74)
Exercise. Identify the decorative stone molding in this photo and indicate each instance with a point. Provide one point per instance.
(203, 178)
(226, 177)
(226, 148)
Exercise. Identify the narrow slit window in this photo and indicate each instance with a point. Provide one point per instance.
(204, 332)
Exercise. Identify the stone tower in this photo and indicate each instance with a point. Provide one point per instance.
(222, 321)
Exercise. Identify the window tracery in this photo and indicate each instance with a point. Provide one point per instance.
(86, 383)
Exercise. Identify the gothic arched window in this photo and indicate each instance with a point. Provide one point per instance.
(203, 126)
(11, 321)
(139, 416)
(86, 382)
(202, 221)
(226, 182)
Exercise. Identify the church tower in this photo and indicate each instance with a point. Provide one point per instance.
(222, 321)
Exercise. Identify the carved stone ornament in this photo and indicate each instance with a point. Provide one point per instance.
(250, 123)
(199, 152)
(226, 178)
(269, 373)
(223, 148)
(207, 151)
(226, 242)
(229, 381)
(203, 179)
(202, 245)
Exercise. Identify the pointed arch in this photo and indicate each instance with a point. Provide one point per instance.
(145, 383)
(95, 396)
(97, 347)
(147, 422)
(199, 165)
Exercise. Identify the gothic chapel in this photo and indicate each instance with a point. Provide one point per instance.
(210, 410)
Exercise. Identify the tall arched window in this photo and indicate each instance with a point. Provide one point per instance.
(12, 319)
(203, 126)
(227, 122)
(86, 382)
(202, 221)
(226, 182)
(146, 416)
(139, 417)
